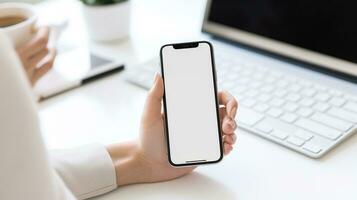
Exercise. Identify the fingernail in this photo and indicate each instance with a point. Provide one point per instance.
(233, 112)
(232, 124)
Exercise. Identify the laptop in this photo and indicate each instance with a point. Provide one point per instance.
(291, 64)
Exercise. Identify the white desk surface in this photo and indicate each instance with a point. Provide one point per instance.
(108, 111)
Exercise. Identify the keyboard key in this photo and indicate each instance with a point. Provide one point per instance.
(256, 84)
(289, 117)
(237, 68)
(277, 102)
(295, 141)
(262, 107)
(227, 85)
(247, 72)
(270, 79)
(323, 97)
(262, 69)
(337, 101)
(322, 107)
(264, 97)
(293, 97)
(275, 112)
(267, 88)
(308, 92)
(249, 102)
(305, 83)
(280, 93)
(251, 93)
(331, 121)
(305, 112)
(343, 114)
(248, 117)
(282, 83)
(295, 88)
(291, 79)
(291, 107)
(312, 148)
(276, 74)
(351, 107)
(279, 134)
(307, 102)
(321, 88)
(258, 76)
(305, 135)
(240, 89)
(264, 127)
(336, 92)
(230, 77)
(318, 128)
(351, 97)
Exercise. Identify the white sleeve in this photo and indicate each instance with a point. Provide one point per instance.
(25, 169)
(87, 171)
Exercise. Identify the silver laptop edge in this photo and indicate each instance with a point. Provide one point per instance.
(278, 47)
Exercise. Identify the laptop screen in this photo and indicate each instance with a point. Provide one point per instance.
(326, 27)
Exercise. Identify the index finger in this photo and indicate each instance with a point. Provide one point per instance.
(37, 43)
(231, 104)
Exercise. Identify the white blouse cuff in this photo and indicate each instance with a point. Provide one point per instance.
(87, 171)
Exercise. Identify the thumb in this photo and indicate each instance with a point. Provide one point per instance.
(153, 100)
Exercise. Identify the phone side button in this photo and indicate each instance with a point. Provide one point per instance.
(248, 116)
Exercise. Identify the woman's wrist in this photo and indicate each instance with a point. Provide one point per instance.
(128, 167)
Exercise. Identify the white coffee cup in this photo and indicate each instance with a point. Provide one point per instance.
(21, 32)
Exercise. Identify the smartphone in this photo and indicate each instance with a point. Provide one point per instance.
(190, 100)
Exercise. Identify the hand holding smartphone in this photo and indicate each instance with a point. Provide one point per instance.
(190, 103)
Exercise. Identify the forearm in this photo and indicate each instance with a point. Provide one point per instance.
(129, 169)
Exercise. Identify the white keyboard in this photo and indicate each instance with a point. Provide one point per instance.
(286, 109)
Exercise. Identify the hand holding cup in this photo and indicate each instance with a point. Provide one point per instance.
(18, 22)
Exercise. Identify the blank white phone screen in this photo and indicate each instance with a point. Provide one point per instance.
(191, 112)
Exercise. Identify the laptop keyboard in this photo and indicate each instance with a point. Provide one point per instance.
(289, 110)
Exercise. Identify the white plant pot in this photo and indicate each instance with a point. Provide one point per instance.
(108, 22)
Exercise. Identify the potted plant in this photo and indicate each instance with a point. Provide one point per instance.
(107, 19)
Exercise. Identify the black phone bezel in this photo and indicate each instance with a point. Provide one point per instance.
(184, 46)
